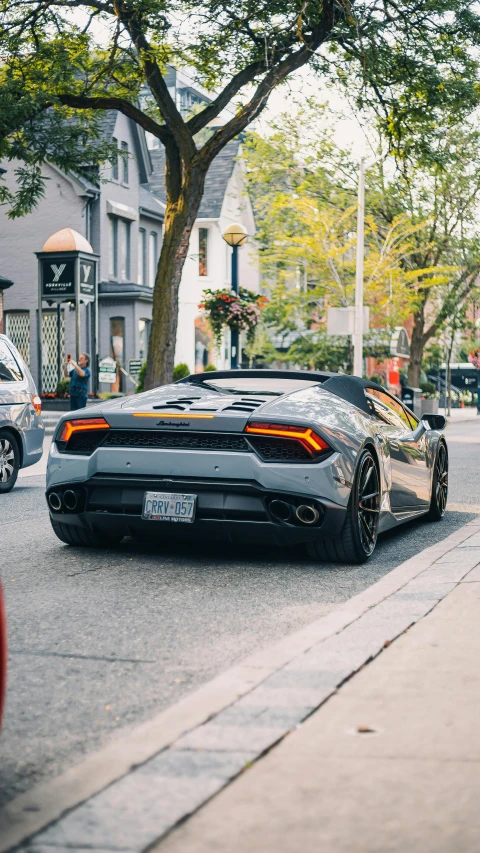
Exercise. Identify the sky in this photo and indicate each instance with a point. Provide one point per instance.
(304, 84)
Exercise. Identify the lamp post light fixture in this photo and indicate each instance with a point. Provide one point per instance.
(235, 235)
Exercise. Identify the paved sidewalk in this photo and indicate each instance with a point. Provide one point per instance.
(389, 764)
(387, 759)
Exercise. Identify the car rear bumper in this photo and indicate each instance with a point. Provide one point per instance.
(240, 511)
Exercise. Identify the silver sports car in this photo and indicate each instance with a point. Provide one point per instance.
(288, 457)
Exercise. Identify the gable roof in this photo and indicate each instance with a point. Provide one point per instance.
(216, 181)
(149, 203)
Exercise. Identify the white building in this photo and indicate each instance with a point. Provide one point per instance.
(208, 263)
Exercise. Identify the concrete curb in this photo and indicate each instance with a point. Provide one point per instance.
(190, 751)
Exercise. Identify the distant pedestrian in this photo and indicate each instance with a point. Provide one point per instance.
(79, 377)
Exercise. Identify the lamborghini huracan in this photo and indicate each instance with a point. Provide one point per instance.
(324, 460)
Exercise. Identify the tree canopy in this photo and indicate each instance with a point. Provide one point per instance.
(409, 60)
(421, 233)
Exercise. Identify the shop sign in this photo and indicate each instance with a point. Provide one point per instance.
(107, 370)
(134, 367)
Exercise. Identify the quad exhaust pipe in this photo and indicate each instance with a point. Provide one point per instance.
(70, 499)
(307, 514)
(282, 511)
(55, 501)
(67, 501)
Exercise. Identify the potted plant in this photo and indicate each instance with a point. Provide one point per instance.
(236, 310)
(429, 398)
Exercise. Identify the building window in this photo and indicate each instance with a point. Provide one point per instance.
(142, 256)
(152, 257)
(143, 337)
(124, 249)
(117, 349)
(124, 162)
(113, 247)
(202, 251)
(115, 161)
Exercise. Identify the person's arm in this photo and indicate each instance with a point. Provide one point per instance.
(76, 368)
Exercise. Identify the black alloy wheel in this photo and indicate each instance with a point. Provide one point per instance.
(438, 502)
(359, 535)
(9, 462)
(368, 503)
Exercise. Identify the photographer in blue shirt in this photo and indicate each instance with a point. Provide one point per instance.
(79, 376)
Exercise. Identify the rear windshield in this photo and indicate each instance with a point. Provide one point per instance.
(260, 385)
(9, 369)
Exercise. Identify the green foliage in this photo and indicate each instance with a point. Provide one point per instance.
(319, 351)
(429, 390)
(208, 368)
(377, 378)
(433, 358)
(141, 378)
(63, 388)
(180, 371)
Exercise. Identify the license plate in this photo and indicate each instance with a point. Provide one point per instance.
(164, 506)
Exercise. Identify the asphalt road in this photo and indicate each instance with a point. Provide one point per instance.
(102, 640)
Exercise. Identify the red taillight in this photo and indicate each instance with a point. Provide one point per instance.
(37, 404)
(81, 425)
(310, 440)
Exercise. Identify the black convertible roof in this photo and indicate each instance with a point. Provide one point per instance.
(349, 388)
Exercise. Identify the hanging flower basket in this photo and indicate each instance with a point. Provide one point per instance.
(474, 357)
(236, 310)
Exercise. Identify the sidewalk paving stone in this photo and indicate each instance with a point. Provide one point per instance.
(249, 738)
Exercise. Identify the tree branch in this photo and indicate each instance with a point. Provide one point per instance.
(168, 108)
(106, 103)
(276, 74)
(450, 304)
(246, 75)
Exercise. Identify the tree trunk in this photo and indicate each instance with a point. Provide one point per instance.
(180, 216)
(416, 350)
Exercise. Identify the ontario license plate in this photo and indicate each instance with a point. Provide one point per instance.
(161, 506)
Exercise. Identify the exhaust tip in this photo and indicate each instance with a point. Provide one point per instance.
(70, 499)
(307, 514)
(280, 510)
(55, 501)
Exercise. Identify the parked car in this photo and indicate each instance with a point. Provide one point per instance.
(289, 457)
(21, 428)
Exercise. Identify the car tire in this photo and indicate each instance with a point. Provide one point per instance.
(9, 461)
(438, 500)
(83, 537)
(358, 538)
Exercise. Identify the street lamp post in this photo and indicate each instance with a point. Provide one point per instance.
(358, 328)
(235, 235)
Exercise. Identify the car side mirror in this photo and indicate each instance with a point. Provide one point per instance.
(435, 421)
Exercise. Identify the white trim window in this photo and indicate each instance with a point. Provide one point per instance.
(112, 246)
(114, 163)
(124, 249)
(203, 251)
(142, 257)
(152, 257)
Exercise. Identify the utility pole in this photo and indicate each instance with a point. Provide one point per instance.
(358, 327)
